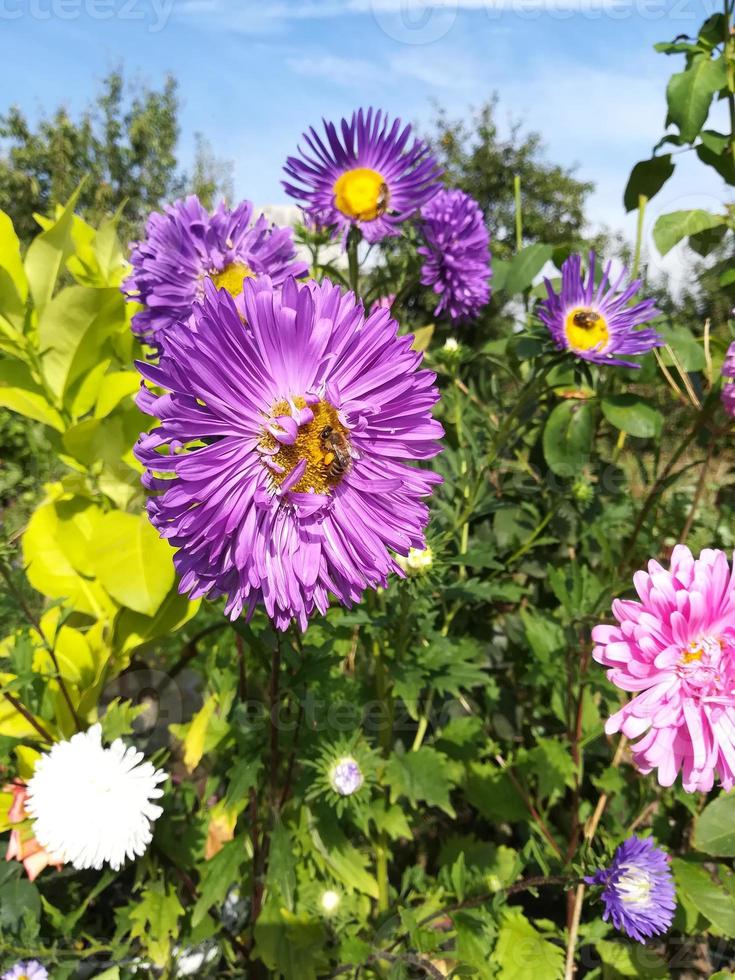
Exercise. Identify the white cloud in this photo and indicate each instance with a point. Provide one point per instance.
(336, 69)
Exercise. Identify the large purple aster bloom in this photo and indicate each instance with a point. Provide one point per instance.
(374, 177)
(457, 257)
(290, 439)
(595, 322)
(638, 891)
(728, 373)
(186, 245)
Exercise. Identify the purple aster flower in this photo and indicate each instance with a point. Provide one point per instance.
(638, 891)
(346, 777)
(373, 178)
(457, 257)
(186, 245)
(290, 441)
(728, 373)
(26, 970)
(595, 322)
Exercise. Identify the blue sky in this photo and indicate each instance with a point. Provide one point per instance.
(252, 74)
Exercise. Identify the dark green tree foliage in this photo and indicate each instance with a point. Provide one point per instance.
(124, 144)
(481, 161)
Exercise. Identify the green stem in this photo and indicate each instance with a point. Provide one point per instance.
(642, 202)
(381, 872)
(519, 212)
(353, 263)
(729, 55)
(650, 501)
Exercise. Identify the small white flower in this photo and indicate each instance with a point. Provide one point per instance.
(451, 345)
(418, 561)
(330, 901)
(346, 777)
(90, 804)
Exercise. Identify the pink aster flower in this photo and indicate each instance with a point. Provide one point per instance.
(676, 650)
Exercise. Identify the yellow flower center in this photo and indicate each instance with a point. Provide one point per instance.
(231, 277)
(586, 329)
(708, 646)
(323, 443)
(361, 194)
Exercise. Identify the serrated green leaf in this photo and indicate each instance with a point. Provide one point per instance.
(421, 776)
(522, 953)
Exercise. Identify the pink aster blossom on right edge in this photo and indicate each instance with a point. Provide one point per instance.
(675, 649)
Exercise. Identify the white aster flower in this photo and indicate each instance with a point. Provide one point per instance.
(346, 776)
(92, 805)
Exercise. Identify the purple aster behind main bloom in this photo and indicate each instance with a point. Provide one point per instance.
(595, 322)
(26, 970)
(186, 245)
(638, 890)
(457, 257)
(289, 441)
(374, 177)
(728, 373)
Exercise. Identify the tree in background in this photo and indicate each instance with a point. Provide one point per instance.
(483, 163)
(124, 143)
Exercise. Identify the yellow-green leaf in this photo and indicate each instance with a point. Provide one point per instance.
(133, 564)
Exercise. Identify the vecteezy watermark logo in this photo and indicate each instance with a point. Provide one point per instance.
(414, 21)
(154, 14)
(425, 21)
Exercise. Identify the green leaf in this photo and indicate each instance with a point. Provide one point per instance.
(670, 229)
(695, 885)
(10, 259)
(155, 916)
(217, 876)
(421, 776)
(339, 856)
(523, 954)
(50, 551)
(715, 828)
(47, 254)
(18, 898)
(621, 959)
(525, 266)
(633, 415)
(21, 394)
(491, 791)
(567, 438)
(133, 564)
(647, 178)
(114, 387)
(72, 330)
(690, 93)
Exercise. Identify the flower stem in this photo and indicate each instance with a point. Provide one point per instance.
(729, 56)
(589, 832)
(642, 202)
(33, 722)
(519, 212)
(353, 262)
